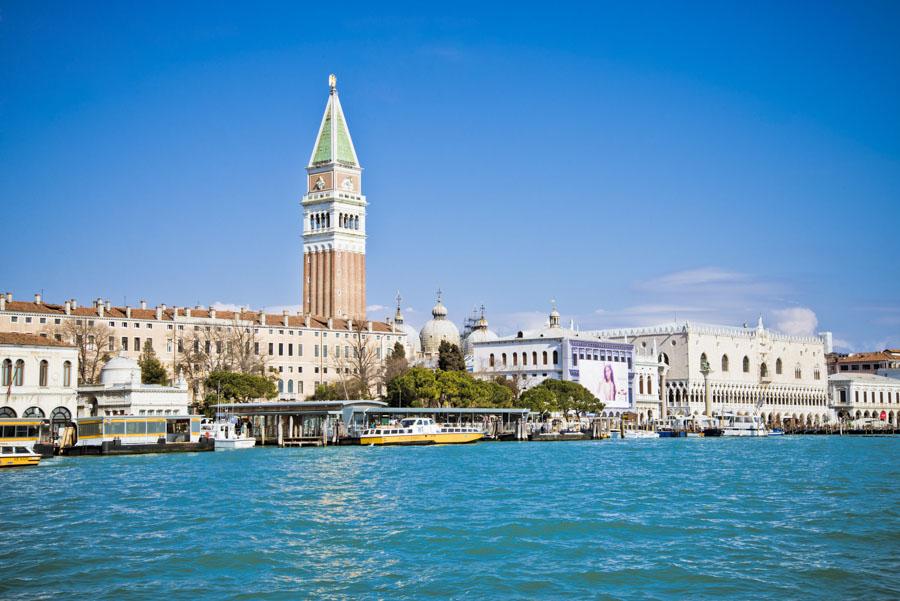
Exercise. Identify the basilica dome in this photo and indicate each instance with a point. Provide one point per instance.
(437, 329)
(480, 333)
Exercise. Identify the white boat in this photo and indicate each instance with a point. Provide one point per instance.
(227, 435)
(742, 425)
(639, 434)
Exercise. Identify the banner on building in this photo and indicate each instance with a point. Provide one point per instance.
(607, 380)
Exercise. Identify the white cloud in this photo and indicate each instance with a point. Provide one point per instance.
(293, 309)
(796, 321)
(659, 309)
(843, 345)
(220, 306)
(375, 308)
(696, 277)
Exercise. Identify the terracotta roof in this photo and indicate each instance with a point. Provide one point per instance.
(20, 339)
(861, 357)
(272, 319)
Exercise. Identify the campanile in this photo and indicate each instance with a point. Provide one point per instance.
(334, 221)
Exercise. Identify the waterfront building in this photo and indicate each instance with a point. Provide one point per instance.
(334, 221)
(38, 376)
(872, 363)
(120, 392)
(301, 350)
(436, 330)
(865, 395)
(606, 368)
(747, 369)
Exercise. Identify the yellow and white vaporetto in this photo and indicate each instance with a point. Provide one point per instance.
(420, 431)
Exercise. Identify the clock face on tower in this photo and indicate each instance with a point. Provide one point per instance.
(347, 184)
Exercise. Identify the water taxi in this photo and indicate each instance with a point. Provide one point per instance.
(18, 456)
(419, 431)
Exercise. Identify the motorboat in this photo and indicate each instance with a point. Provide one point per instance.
(732, 424)
(640, 434)
(420, 431)
(226, 435)
(18, 456)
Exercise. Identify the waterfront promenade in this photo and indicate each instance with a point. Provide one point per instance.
(781, 518)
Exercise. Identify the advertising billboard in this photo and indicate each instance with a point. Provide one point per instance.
(607, 380)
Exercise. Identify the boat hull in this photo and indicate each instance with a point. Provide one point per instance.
(24, 461)
(423, 439)
(232, 444)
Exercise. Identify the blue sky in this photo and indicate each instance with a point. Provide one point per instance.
(714, 162)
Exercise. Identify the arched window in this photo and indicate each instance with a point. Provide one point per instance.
(67, 373)
(534, 357)
(649, 384)
(746, 365)
(555, 358)
(524, 358)
(280, 386)
(515, 358)
(7, 412)
(491, 360)
(724, 362)
(6, 372)
(290, 386)
(763, 370)
(664, 358)
(503, 358)
(356, 222)
(45, 367)
(19, 373)
(798, 373)
(778, 366)
(327, 219)
(545, 357)
(33, 412)
(641, 384)
(61, 414)
(817, 375)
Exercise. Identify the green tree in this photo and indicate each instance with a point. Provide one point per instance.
(152, 370)
(395, 365)
(558, 395)
(350, 389)
(234, 386)
(450, 358)
(417, 387)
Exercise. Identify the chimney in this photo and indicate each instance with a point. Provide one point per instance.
(285, 312)
(307, 321)
(74, 304)
(100, 307)
(262, 318)
(330, 323)
(67, 307)
(369, 326)
(143, 304)
(187, 311)
(3, 302)
(37, 299)
(107, 305)
(350, 324)
(128, 312)
(175, 312)
(159, 312)
(212, 312)
(9, 297)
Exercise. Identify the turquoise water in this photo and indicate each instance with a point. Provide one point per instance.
(786, 518)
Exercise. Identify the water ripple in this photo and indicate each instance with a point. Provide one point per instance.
(782, 518)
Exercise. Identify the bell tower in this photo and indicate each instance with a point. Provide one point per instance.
(334, 221)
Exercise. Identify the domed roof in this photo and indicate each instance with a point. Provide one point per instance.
(413, 345)
(479, 335)
(120, 370)
(438, 329)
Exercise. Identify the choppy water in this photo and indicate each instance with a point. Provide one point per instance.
(805, 517)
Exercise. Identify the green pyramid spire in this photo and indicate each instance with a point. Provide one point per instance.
(333, 144)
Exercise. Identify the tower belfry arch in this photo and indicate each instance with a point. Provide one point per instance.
(334, 220)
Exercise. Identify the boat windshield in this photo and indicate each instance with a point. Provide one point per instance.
(407, 423)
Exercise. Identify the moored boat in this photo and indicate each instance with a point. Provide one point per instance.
(18, 456)
(226, 435)
(420, 431)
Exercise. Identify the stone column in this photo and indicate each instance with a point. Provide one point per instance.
(280, 434)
